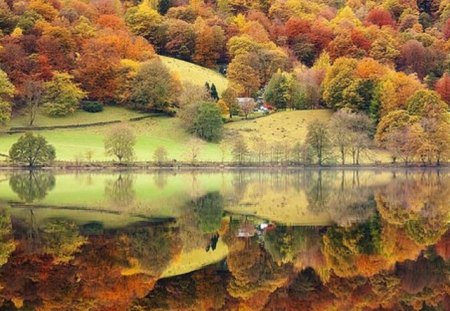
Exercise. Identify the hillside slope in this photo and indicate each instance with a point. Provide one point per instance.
(188, 72)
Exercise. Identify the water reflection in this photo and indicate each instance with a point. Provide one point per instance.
(31, 186)
(256, 240)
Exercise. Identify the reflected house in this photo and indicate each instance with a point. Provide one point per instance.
(246, 230)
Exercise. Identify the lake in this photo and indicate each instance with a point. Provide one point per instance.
(234, 240)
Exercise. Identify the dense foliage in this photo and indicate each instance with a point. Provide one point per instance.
(379, 58)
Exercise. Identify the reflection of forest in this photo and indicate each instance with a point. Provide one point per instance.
(386, 247)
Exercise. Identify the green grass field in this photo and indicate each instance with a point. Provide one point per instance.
(72, 144)
(188, 72)
(79, 117)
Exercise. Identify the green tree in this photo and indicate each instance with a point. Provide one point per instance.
(318, 137)
(277, 91)
(120, 142)
(32, 150)
(209, 211)
(61, 95)
(163, 6)
(208, 123)
(6, 93)
(213, 91)
(32, 186)
(154, 88)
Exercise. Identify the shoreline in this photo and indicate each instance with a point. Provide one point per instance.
(95, 167)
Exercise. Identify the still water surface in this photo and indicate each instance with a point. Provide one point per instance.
(238, 240)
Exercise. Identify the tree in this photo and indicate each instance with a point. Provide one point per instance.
(120, 142)
(380, 17)
(208, 123)
(154, 88)
(340, 132)
(443, 86)
(32, 150)
(163, 6)
(338, 78)
(32, 186)
(239, 150)
(318, 138)
(284, 91)
(6, 93)
(229, 99)
(243, 76)
(33, 91)
(143, 20)
(189, 101)
(213, 92)
(427, 104)
(61, 95)
(160, 155)
(193, 150)
(247, 107)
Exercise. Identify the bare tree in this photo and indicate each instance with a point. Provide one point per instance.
(33, 91)
(240, 150)
(247, 106)
(318, 137)
(195, 146)
(259, 147)
(160, 155)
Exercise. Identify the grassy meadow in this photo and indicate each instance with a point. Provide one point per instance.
(73, 144)
(188, 72)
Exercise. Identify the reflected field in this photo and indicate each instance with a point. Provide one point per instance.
(258, 240)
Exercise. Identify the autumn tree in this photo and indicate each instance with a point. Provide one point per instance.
(120, 142)
(6, 93)
(61, 95)
(154, 88)
(443, 87)
(209, 44)
(229, 101)
(243, 76)
(98, 68)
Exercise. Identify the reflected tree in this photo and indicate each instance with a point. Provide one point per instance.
(121, 191)
(151, 247)
(32, 186)
(284, 243)
(61, 239)
(7, 245)
(209, 211)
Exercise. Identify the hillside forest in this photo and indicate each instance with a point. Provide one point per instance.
(381, 66)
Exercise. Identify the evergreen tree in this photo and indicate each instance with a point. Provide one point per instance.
(213, 92)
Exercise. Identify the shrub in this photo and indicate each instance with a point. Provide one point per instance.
(92, 106)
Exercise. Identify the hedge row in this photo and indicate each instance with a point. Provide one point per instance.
(14, 130)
